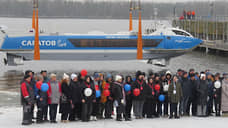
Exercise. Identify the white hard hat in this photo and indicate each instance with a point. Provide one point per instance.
(118, 77)
(73, 76)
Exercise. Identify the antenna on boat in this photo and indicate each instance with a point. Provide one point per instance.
(130, 16)
(36, 22)
(139, 41)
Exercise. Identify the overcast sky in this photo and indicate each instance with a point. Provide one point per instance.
(141, 0)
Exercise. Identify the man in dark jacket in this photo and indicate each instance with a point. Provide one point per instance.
(187, 93)
(210, 93)
(193, 100)
(138, 101)
(27, 98)
(202, 95)
(76, 98)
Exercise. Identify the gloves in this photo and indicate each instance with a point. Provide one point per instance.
(208, 98)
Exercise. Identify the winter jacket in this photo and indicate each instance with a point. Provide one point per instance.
(194, 84)
(66, 96)
(141, 85)
(186, 87)
(210, 88)
(202, 92)
(117, 91)
(217, 93)
(27, 93)
(224, 106)
(104, 85)
(51, 93)
(151, 93)
(85, 85)
(175, 97)
(76, 92)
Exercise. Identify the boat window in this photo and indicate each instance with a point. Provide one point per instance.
(113, 42)
(180, 33)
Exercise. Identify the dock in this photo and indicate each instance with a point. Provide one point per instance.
(213, 32)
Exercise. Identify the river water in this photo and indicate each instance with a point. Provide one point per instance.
(10, 76)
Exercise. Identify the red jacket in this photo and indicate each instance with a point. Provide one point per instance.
(49, 91)
(24, 90)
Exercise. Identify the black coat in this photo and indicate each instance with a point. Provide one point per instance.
(151, 93)
(187, 87)
(142, 87)
(202, 92)
(117, 91)
(65, 106)
(90, 98)
(76, 92)
(44, 101)
(217, 93)
(194, 84)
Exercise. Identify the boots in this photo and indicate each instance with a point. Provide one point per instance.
(119, 118)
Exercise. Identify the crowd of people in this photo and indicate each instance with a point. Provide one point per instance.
(94, 97)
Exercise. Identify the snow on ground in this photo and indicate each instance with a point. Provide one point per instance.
(11, 118)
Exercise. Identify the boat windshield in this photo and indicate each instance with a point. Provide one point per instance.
(180, 33)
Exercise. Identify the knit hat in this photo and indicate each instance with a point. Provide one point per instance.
(65, 76)
(138, 73)
(108, 75)
(73, 76)
(118, 77)
(96, 75)
(168, 72)
(208, 73)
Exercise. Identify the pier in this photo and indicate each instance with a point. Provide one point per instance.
(213, 32)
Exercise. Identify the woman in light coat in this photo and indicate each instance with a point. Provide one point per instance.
(225, 95)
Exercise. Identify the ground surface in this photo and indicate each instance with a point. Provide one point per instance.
(11, 118)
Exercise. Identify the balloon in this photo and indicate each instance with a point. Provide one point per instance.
(157, 87)
(166, 88)
(88, 92)
(106, 86)
(83, 72)
(106, 92)
(127, 87)
(161, 98)
(97, 87)
(136, 92)
(44, 87)
(98, 93)
(217, 84)
(38, 84)
(134, 79)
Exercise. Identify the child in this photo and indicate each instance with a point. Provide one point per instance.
(174, 95)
